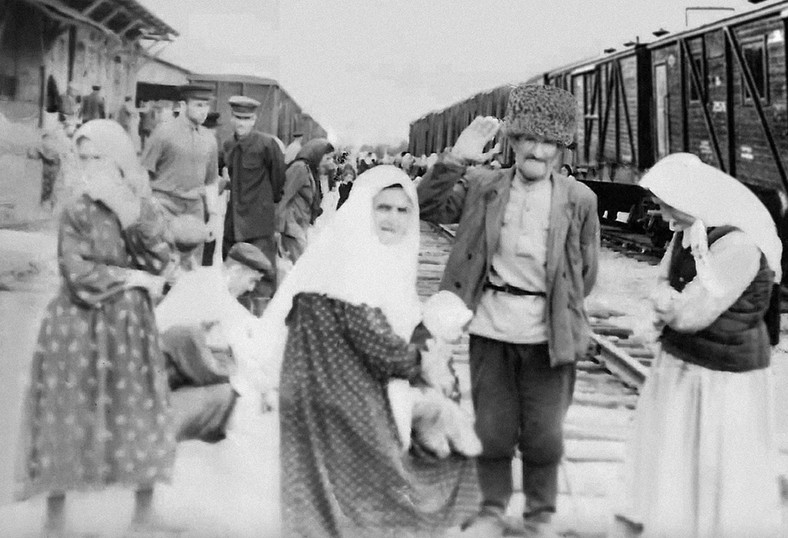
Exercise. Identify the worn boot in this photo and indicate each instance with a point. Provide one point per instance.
(540, 525)
(493, 522)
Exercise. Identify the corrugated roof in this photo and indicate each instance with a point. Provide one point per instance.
(121, 18)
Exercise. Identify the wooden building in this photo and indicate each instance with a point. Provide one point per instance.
(47, 44)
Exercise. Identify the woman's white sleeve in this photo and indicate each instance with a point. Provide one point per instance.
(729, 267)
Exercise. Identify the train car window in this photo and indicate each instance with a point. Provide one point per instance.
(755, 56)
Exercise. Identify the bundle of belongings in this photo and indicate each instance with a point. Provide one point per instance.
(208, 337)
(428, 415)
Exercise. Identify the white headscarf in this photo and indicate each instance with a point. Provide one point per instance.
(113, 142)
(348, 262)
(714, 198)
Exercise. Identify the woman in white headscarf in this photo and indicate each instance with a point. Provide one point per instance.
(351, 307)
(96, 412)
(702, 462)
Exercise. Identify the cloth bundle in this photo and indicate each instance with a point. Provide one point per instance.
(437, 422)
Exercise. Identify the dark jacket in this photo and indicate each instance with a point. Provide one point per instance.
(477, 198)
(257, 173)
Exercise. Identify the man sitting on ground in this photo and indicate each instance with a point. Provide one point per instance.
(207, 336)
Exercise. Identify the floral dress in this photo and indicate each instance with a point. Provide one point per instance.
(96, 408)
(343, 470)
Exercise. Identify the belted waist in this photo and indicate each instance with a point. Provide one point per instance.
(512, 290)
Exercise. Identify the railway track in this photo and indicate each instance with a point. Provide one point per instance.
(634, 245)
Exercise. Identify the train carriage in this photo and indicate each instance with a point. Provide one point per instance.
(719, 91)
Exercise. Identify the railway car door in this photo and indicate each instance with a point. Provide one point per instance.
(661, 108)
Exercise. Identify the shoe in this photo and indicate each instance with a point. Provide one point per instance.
(540, 526)
(491, 523)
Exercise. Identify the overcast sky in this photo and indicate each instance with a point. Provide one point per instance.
(366, 68)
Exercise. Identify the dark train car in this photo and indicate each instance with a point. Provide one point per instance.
(612, 94)
(438, 130)
(613, 141)
(720, 92)
(279, 114)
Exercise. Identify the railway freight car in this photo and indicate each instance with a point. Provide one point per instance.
(719, 91)
(279, 114)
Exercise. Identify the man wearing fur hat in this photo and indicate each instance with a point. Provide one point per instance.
(524, 259)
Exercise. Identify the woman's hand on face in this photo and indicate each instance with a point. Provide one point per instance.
(473, 138)
(106, 185)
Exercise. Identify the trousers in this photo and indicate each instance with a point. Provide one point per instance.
(519, 401)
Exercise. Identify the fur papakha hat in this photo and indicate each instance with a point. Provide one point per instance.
(541, 111)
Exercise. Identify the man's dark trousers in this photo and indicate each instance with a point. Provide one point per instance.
(519, 400)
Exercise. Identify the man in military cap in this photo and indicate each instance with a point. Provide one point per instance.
(524, 260)
(181, 157)
(209, 338)
(256, 173)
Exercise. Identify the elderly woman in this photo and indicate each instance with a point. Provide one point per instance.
(96, 409)
(702, 461)
(300, 204)
(351, 307)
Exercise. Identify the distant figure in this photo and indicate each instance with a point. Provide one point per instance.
(53, 143)
(294, 147)
(148, 121)
(70, 105)
(567, 171)
(129, 118)
(346, 183)
(300, 204)
(93, 105)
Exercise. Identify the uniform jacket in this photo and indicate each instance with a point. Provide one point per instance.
(257, 173)
(477, 199)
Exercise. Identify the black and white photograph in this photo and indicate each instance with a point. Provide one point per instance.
(393, 269)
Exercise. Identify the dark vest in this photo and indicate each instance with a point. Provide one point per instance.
(738, 340)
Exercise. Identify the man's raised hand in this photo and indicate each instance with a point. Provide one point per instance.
(474, 137)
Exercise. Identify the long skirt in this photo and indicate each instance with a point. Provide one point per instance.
(703, 460)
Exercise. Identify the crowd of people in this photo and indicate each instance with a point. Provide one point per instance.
(304, 302)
